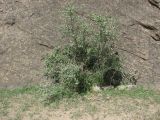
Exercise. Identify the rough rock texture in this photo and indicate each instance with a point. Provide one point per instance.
(30, 28)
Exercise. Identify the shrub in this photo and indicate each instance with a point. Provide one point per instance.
(53, 64)
(89, 57)
(74, 79)
(54, 93)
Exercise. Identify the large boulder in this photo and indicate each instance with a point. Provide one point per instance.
(30, 28)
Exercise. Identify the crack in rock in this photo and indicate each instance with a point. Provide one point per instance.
(10, 21)
(156, 37)
(147, 26)
(154, 3)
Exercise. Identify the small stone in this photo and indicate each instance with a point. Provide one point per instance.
(107, 87)
(96, 89)
(126, 87)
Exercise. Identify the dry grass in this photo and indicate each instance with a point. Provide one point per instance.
(24, 105)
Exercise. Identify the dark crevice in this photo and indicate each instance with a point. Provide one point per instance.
(147, 26)
(156, 37)
(154, 3)
(45, 45)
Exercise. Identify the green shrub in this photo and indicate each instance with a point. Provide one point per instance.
(54, 93)
(71, 77)
(89, 57)
(54, 62)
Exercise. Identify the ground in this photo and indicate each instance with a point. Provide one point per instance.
(110, 104)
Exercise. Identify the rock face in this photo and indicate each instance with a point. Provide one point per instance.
(30, 28)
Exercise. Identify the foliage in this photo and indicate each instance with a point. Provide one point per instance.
(89, 57)
(50, 93)
(75, 79)
(53, 64)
